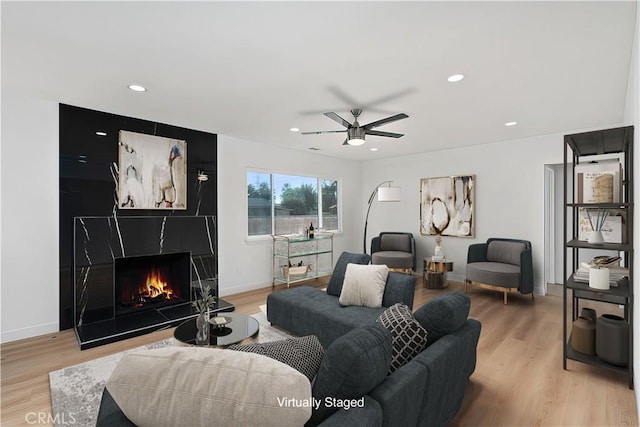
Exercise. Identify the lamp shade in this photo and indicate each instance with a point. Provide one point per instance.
(389, 194)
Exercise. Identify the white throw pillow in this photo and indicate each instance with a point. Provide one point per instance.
(364, 285)
(189, 386)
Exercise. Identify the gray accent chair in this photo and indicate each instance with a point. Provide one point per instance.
(503, 265)
(396, 250)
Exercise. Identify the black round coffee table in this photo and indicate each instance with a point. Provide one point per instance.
(239, 327)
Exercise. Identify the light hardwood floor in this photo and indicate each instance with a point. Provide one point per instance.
(518, 381)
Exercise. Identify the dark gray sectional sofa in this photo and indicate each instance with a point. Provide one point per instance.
(302, 310)
(429, 389)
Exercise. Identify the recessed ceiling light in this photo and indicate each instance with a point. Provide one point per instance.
(137, 88)
(294, 130)
(373, 149)
(511, 123)
(101, 133)
(455, 78)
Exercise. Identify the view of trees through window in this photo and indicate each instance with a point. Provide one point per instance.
(287, 204)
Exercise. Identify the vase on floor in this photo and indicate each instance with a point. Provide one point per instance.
(612, 339)
(203, 326)
(583, 334)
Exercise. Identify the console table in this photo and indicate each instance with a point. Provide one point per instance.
(315, 254)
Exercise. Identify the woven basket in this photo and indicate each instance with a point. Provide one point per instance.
(295, 272)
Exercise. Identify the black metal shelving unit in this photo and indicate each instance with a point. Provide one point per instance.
(579, 148)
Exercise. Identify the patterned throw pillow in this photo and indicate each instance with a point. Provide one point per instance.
(409, 337)
(304, 354)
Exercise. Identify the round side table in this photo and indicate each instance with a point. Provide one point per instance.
(433, 275)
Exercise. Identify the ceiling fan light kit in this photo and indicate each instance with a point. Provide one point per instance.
(356, 133)
(355, 136)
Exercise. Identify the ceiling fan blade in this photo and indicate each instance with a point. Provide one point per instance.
(333, 116)
(346, 141)
(317, 132)
(389, 134)
(387, 98)
(384, 121)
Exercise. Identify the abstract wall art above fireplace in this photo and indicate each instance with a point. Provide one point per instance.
(447, 206)
(152, 172)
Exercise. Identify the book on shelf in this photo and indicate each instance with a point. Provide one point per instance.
(599, 182)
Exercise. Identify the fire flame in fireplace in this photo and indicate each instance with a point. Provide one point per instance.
(156, 285)
(154, 289)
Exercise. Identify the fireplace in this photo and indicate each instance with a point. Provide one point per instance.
(151, 282)
(137, 274)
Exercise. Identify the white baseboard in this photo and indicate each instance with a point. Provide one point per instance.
(237, 289)
(29, 332)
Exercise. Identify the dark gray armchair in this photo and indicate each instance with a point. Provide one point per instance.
(396, 250)
(503, 265)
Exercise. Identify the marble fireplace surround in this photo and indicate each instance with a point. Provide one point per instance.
(98, 241)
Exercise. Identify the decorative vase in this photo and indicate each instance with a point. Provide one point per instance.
(612, 339)
(203, 326)
(589, 313)
(595, 237)
(583, 334)
(438, 253)
(599, 278)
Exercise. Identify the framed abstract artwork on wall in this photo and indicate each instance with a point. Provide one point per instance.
(447, 206)
(152, 172)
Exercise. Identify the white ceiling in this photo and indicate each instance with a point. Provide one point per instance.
(252, 70)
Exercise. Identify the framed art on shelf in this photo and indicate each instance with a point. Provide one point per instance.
(152, 172)
(599, 182)
(447, 206)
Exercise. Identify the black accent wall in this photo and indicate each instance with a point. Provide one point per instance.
(88, 179)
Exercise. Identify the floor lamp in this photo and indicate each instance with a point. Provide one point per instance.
(385, 194)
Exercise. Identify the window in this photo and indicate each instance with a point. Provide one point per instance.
(259, 197)
(287, 204)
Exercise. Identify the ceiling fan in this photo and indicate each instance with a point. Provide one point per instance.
(355, 132)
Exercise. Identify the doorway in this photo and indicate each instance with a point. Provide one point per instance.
(553, 224)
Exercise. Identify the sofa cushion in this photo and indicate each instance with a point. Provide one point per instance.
(304, 354)
(352, 366)
(443, 315)
(337, 277)
(393, 258)
(364, 285)
(395, 242)
(408, 336)
(494, 273)
(191, 386)
(505, 251)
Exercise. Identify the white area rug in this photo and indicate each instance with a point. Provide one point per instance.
(76, 391)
